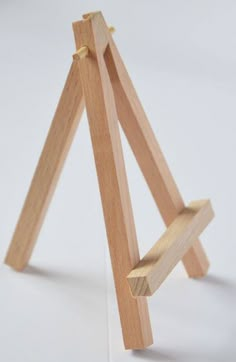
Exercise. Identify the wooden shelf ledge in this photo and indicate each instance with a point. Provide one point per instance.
(153, 269)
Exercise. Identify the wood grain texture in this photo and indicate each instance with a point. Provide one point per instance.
(149, 155)
(99, 74)
(155, 266)
(50, 164)
(112, 179)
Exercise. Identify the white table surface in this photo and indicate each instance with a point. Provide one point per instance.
(63, 307)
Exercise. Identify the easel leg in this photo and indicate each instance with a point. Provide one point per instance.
(149, 156)
(113, 185)
(54, 153)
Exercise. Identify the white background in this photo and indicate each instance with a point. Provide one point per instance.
(181, 56)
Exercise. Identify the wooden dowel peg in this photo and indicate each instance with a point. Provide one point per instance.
(81, 53)
(90, 15)
(112, 29)
(84, 50)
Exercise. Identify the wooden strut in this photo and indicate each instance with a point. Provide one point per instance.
(99, 76)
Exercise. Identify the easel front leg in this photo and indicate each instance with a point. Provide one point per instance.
(54, 153)
(113, 185)
(149, 155)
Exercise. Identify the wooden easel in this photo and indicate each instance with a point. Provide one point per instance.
(98, 75)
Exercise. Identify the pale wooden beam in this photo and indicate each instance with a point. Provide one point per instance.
(149, 155)
(117, 209)
(48, 170)
(153, 269)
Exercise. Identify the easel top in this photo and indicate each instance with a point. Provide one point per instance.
(92, 32)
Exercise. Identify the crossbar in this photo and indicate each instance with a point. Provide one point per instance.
(155, 266)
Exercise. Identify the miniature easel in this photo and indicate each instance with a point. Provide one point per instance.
(98, 75)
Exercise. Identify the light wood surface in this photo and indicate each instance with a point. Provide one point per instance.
(155, 266)
(50, 164)
(99, 75)
(149, 155)
(112, 179)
